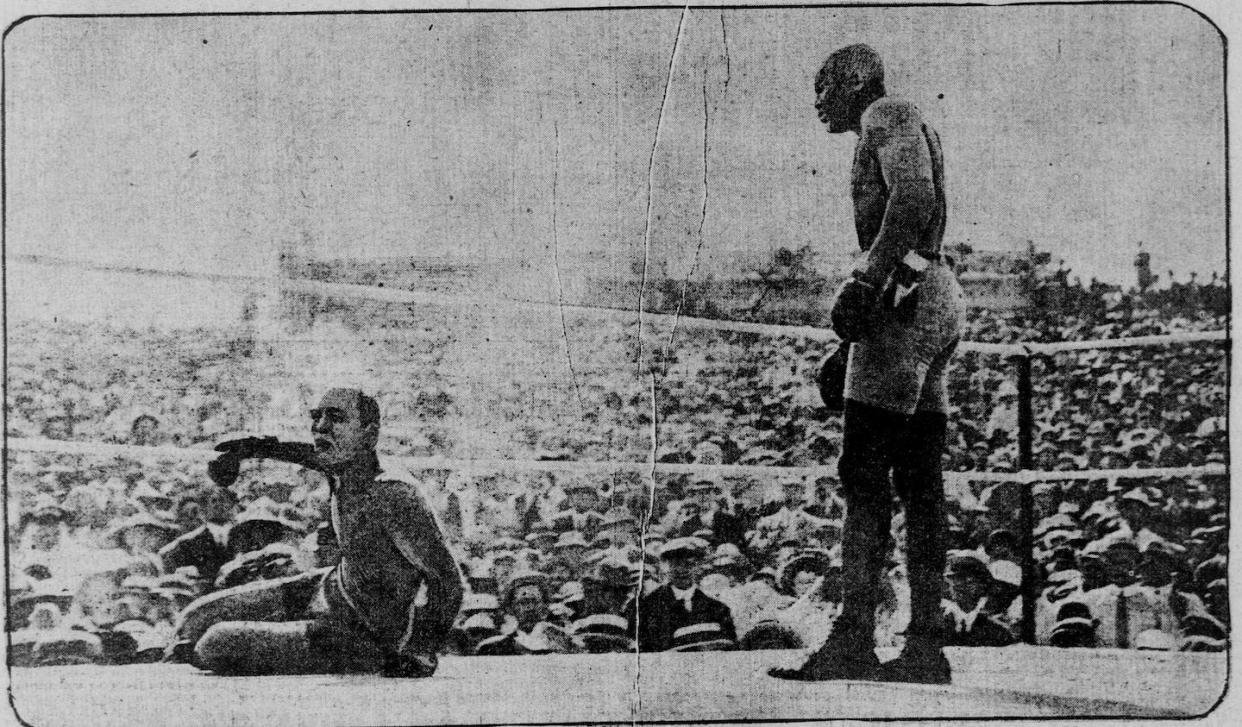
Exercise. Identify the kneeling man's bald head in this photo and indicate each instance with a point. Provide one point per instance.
(345, 426)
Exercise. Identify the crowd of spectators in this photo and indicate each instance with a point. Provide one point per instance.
(106, 548)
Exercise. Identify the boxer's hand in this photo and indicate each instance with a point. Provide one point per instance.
(855, 309)
(410, 666)
(831, 378)
(902, 292)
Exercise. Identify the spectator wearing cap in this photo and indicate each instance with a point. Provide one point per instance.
(141, 534)
(1163, 569)
(50, 641)
(504, 563)
(1002, 601)
(272, 562)
(457, 503)
(567, 603)
(207, 547)
(499, 509)
(181, 587)
(1125, 607)
(146, 497)
(1136, 510)
(478, 619)
(1062, 585)
(1002, 424)
(1202, 632)
(571, 549)
(541, 537)
(1216, 598)
(679, 603)
(525, 600)
(581, 514)
(966, 617)
(1002, 544)
(261, 524)
(30, 596)
(619, 527)
(723, 526)
(827, 503)
(42, 619)
(789, 523)
(144, 431)
(465, 638)
(813, 583)
(608, 587)
(534, 502)
(44, 543)
(729, 562)
(1075, 627)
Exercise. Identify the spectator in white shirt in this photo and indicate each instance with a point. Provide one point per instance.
(1125, 607)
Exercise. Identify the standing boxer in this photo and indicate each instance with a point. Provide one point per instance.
(902, 313)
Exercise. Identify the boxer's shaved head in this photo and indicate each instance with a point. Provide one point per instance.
(848, 82)
(858, 61)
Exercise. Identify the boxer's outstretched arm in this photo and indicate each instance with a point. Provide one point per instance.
(892, 130)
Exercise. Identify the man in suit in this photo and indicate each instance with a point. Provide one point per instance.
(679, 603)
(385, 607)
(968, 618)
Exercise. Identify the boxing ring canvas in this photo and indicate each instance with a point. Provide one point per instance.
(1019, 682)
(567, 245)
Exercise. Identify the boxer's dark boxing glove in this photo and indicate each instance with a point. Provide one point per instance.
(831, 379)
(223, 470)
(855, 310)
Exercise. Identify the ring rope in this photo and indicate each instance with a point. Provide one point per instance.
(204, 454)
(392, 295)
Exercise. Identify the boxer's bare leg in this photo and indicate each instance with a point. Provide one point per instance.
(872, 438)
(919, 480)
(236, 648)
(285, 599)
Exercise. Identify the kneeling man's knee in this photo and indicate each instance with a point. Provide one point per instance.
(224, 647)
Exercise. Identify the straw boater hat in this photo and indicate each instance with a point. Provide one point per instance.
(479, 624)
(603, 633)
(619, 515)
(571, 539)
(116, 535)
(690, 547)
(526, 578)
(479, 602)
(1073, 621)
(707, 636)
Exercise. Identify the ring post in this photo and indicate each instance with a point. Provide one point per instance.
(1026, 518)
